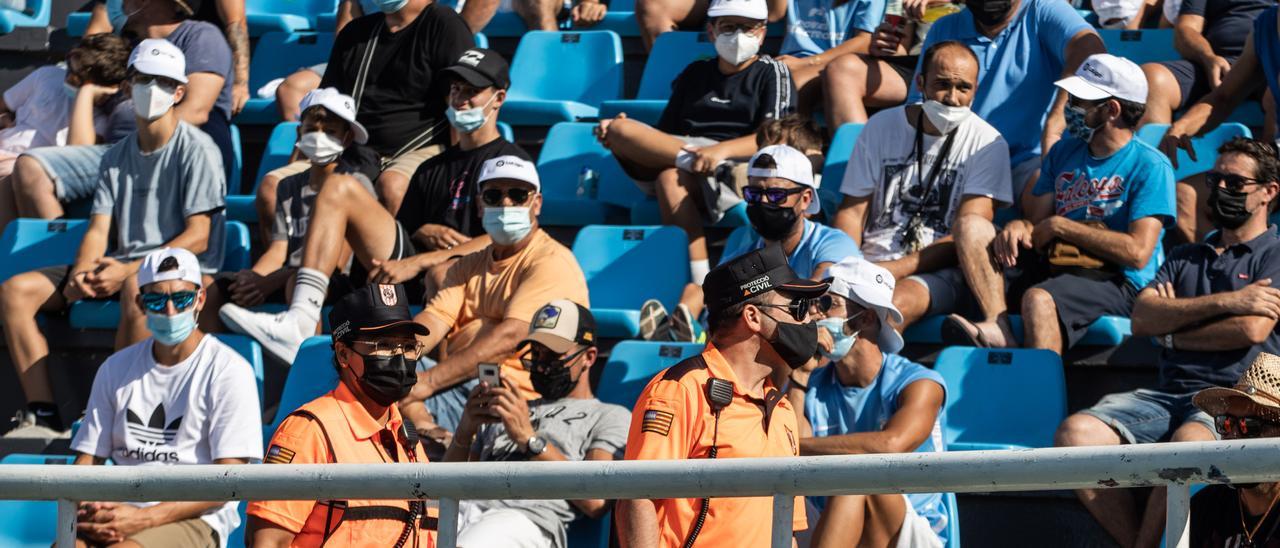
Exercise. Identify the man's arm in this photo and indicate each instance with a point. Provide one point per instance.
(852, 216)
(1081, 46)
(905, 431)
(85, 459)
(490, 346)
(202, 92)
(117, 520)
(477, 13)
(1131, 249)
(236, 29)
(1232, 333)
(264, 534)
(637, 521)
(1158, 311)
(1189, 40)
(942, 252)
(1239, 84)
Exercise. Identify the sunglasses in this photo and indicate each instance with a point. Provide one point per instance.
(411, 351)
(493, 196)
(155, 302)
(146, 79)
(758, 194)
(530, 361)
(1241, 427)
(798, 309)
(730, 28)
(1234, 183)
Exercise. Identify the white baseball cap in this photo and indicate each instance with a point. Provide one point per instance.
(1103, 75)
(751, 9)
(341, 105)
(169, 263)
(792, 165)
(509, 167)
(871, 286)
(1121, 11)
(159, 57)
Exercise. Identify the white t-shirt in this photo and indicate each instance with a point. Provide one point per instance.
(205, 408)
(883, 165)
(42, 111)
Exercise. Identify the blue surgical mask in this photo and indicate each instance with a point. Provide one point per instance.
(390, 6)
(172, 330)
(835, 326)
(70, 90)
(1076, 125)
(470, 119)
(507, 225)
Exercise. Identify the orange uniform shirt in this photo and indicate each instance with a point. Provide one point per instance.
(673, 420)
(356, 438)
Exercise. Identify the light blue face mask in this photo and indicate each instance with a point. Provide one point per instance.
(390, 6)
(172, 330)
(70, 90)
(468, 120)
(835, 327)
(117, 16)
(507, 225)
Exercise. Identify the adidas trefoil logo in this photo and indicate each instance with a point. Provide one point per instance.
(154, 431)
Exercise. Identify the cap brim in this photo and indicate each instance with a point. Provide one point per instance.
(802, 288)
(734, 12)
(361, 134)
(559, 345)
(890, 340)
(470, 76)
(1081, 89)
(414, 327)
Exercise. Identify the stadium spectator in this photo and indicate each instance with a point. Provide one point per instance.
(780, 195)
(1256, 69)
(901, 214)
(567, 424)
(819, 31)
(756, 303)
(160, 187)
(53, 106)
(870, 400)
(1122, 14)
(1213, 310)
(423, 234)
(374, 349)
(180, 397)
(1250, 410)
(1024, 45)
(881, 76)
(1091, 236)
(47, 175)
(1209, 36)
(330, 136)
(716, 105)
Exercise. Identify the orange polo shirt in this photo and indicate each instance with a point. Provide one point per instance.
(673, 420)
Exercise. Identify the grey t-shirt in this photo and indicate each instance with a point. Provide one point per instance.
(206, 50)
(294, 201)
(575, 427)
(150, 196)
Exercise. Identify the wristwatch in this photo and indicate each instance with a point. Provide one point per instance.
(535, 446)
(1168, 341)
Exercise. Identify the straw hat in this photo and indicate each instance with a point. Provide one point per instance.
(1259, 385)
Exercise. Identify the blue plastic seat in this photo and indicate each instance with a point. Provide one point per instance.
(237, 161)
(105, 313)
(586, 71)
(626, 265)
(570, 149)
(671, 53)
(248, 349)
(834, 167)
(1002, 399)
(312, 375)
(481, 40)
(264, 16)
(28, 244)
(35, 15)
(1140, 46)
(585, 532)
(646, 212)
(77, 22)
(277, 55)
(1206, 146)
(953, 526)
(1105, 331)
(632, 364)
(29, 524)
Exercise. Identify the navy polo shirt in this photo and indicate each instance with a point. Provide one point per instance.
(1196, 270)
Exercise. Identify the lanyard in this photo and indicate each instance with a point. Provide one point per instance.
(927, 187)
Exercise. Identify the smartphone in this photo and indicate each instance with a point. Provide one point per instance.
(490, 373)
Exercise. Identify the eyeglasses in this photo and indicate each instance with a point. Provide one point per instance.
(798, 309)
(758, 194)
(410, 350)
(1234, 182)
(155, 302)
(730, 28)
(145, 79)
(1241, 427)
(493, 196)
(529, 361)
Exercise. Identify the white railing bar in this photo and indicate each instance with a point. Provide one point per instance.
(1177, 517)
(784, 508)
(67, 510)
(960, 472)
(447, 533)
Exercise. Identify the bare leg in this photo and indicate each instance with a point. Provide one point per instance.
(539, 14)
(290, 93)
(1164, 95)
(264, 203)
(21, 297)
(642, 145)
(391, 188)
(1115, 509)
(676, 195)
(658, 16)
(34, 191)
(133, 323)
(860, 520)
(912, 299)
(973, 235)
(1153, 519)
(1040, 320)
(692, 298)
(852, 82)
(345, 210)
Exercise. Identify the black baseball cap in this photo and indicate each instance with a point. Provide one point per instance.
(482, 68)
(372, 309)
(756, 273)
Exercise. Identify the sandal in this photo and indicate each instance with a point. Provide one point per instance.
(653, 318)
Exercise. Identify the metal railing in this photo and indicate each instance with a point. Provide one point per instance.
(1175, 465)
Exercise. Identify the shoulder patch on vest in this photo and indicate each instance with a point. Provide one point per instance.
(278, 455)
(679, 370)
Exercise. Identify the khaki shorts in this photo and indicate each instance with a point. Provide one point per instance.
(404, 165)
(191, 533)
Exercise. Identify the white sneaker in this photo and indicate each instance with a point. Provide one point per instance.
(26, 427)
(279, 334)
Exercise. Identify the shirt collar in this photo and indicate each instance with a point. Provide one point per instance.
(968, 30)
(1267, 237)
(719, 368)
(363, 426)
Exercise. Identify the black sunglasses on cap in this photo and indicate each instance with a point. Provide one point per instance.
(493, 196)
(1234, 182)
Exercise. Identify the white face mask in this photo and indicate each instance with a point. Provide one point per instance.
(944, 117)
(736, 48)
(320, 147)
(151, 101)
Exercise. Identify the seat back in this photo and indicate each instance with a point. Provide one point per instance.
(625, 265)
(34, 14)
(279, 54)
(632, 364)
(584, 67)
(312, 375)
(1140, 46)
(585, 532)
(29, 524)
(302, 8)
(279, 148)
(1206, 146)
(251, 351)
(671, 53)
(834, 167)
(237, 256)
(28, 244)
(237, 161)
(1002, 397)
(570, 148)
(953, 526)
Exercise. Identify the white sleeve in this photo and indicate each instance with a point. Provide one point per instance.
(989, 172)
(860, 176)
(18, 95)
(94, 436)
(235, 416)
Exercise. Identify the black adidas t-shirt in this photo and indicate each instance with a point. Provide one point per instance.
(443, 189)
(707, 103)
(1215, 521)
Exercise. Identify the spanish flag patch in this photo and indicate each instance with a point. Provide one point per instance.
(278, 455)
(658, 422)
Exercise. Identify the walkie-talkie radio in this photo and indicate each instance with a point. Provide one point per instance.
(719, 395)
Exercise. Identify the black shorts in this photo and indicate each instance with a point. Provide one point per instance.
(59, 275)
(1192, 79)
(904, 65)
(1082, 299)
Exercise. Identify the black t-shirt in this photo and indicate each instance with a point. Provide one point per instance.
(1227, 23)
(1215, 521)
(707, 103)
(443, 188)
(403, 95)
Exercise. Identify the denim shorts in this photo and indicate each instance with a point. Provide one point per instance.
(1148, 416)
(73, 169)
(446, 406)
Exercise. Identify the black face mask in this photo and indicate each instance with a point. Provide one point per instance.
(551, 379)
(989, 13)
(795, 343)
(1227, 208)
(387, 379)
(771, 222)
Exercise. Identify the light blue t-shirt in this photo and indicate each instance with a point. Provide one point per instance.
(834, 409)
(815, 26)
(1135, 182)
(819, 244)
(1023, 61)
